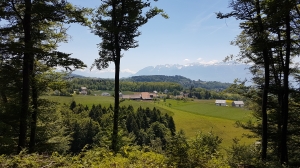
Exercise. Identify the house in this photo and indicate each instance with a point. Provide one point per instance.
(141, 96)
(238, 104)
(220, 102)
(147, 96)
(105, 94)
(132, 97)
(83, 91)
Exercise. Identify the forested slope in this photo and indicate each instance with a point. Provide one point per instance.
(148, 83)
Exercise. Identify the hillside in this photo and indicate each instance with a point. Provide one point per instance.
(183, 81)
(108, 84)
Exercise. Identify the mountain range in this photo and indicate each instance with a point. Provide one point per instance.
(222, 72)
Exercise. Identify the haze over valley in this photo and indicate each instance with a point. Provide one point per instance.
(221, 72)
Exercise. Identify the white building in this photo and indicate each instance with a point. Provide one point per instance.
(238, 104)
(220, 102)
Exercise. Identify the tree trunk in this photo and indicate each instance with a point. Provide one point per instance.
(266, 85)
(117, 58)
(264, 109)
(34, 113)
(26, 76)
(278, 82)
(285, 106)
(116, 107)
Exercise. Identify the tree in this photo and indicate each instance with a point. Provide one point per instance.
(270, 40)
(250, 13)
(117, 23)
(26, 28)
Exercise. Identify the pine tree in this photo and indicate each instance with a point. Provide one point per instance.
(117, 23)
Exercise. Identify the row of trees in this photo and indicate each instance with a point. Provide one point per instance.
(146, 83)
(109, 84)
(183, 81)
(269, 41)
(172, 88)
(201, 93)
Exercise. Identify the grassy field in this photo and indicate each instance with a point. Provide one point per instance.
(190, 116)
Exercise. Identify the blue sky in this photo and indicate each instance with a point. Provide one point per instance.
(191, 34)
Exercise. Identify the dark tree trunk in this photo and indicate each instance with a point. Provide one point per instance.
(266, 85)
(116, 107)
(117, 58)
(26, 75)
(278, 82)
(285, 106)
(34, 113)
(264, 108)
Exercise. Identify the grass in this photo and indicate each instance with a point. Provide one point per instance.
(190, 116)
(208, 108)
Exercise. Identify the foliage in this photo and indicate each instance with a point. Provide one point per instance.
(97, 157)
(269, 41)
(29, 36)
(108, 84)
(201, 151)
(147, 83)
(50, 133)
(183, 81)
(117, 23)
(93, 127)
(128, 156)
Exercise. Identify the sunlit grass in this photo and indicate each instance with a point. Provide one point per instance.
(190, 116)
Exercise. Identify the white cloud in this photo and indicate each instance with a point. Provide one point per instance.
(186, 60)
(128, 71)
(208, 62)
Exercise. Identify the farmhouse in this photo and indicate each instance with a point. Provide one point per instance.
(83, 91)
(141, 96)
(237, 104)
(147, 96)
(132, 97)
(220, 102)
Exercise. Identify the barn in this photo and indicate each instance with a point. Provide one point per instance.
(238, 104)
(220, 102)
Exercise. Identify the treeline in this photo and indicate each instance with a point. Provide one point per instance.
(109, 84)
(201, 93)
(183, 81)
(147, 83)
(173, 89)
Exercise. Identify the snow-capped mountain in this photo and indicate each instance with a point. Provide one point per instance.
(222, 72)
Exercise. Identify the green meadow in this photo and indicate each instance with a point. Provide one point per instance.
(190, 116)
